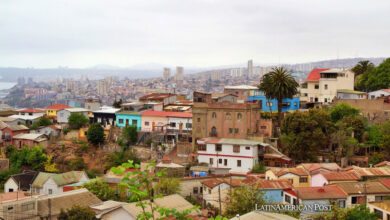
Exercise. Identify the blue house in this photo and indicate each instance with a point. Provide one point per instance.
(271, 190)
(128, 118)
(288, 104)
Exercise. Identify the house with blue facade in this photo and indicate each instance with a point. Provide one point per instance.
(271, 190)
(267, 105)
(128, 118)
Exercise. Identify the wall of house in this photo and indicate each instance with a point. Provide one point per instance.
(149, 122)
(63, 115)
(248, 157)
(119, 213)
(378, 93)
(370, 198)
(242, 94)
(273, 195)
(25, 208)
(318, 180)
(386, 213)
(186, 123)
(121, 120)
(10, 184)
(311, 92)
(50, 184)
(344, 95)
(372, 109)
(211, 195)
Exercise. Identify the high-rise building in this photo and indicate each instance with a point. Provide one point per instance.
(179, 76)
(101, 87)
(250, 68)
(21, 81)
(166, 74)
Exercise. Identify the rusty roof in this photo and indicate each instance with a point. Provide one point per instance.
(324, 192)
(282, 171)
(374, 187)
(268, 184)
(215, 182)
(349, 175)
(385, 182)
(383, 163)
(372, 172)
(315, 166)
(157, 96)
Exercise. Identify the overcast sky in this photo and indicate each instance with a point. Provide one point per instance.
(196, 33)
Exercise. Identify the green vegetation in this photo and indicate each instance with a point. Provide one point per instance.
(140, 186)
(360, 212)
(117, 104)
(117, 158)
(279, 84)
(77, 120)
(77, 164)
(371, 78)
(77, 213)
(101, 189)
(259, 168)
(342, 110)
(41, 122)
(95, 134)
(130, 135)
(168, 186)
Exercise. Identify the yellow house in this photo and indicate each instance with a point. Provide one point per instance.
(51, 111)
(297, 176)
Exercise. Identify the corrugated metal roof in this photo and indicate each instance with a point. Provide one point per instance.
(373, 187)
(29, 136)
(282, 171)
(268, 184)
(211, 183)
(58, 107)
(371, 172)
(341, 175)
(325, 192)
(59, 178)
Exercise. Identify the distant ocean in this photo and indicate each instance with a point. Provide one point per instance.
(5, 85)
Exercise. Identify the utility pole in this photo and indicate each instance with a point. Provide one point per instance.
(365, 194)
(49, 204)
(219, 195)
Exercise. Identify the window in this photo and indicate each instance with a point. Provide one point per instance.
(342, 203)
(146, 123)
(303, 179)
(236, 148)
(50, 191)
(230, 130)
(326, 100)
(120, 121)
(239, 116)
(198, 119)
(218, 147)
(247, 148)
(220, 161)
(238, 163)
(316, 86)
(195, 190)
(225, 162)
(228, 116)
(357, 199)
(214, 115)
(263, 127)
(244, 93)
(10, 190)
(269, 104)
(291, 181)
(173, 124)
(379, 198)
(287, 198)
(236, 130)
(28, 206)
(211, 162)
(213, 132)
(9, 208)
(202, 147)
(32, 114)
(209, 191)
(236, 92)
(295, 103)
(188, 125)
(326, 86)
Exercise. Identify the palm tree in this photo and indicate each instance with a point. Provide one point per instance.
(361, 71)
(278, 84)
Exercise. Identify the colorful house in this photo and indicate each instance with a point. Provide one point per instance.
(272, 189)
(297, 176)
(154, 120)
(272, 104)
(124, 118)
(51, 111)
(323, 178)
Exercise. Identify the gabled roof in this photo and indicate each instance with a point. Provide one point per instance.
(60, 178)
(211, 183)
(17, 127)
(371, 172)
(76, 110)
(314, 75)
(340, 176)
(30, 136)
(23, 180)
(283, 171)
(58, 107)
(383, 163)
(268, 184)
(374, 187)
(324, 192)
(385, 182)
(315, 166)
(32, 110)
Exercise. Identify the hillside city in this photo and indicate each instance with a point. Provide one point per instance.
(144, 149)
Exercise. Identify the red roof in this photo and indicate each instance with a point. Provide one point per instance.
(341, 175)
(33, 110)
(314, 75)
(383, 163)
(269, 184)
(12, 196)
(167, 114)
(385, 182)
(58, 107)
(54, 127)
(325, 192)
(215, 182)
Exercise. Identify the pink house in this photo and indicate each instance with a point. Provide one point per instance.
(154, 120)
(323, 178)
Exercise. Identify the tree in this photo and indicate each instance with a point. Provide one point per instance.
(361, 71)
(117, 104)
(77, 120)
(360, 212)
(259, 168)
(376, 158)
(305, 133)
(95, 134)
(100, 189)
(34, 158)
(130, 135)
(41, 122)
(49, 165)
(168, 186)
(243, 199)
(341, 110)
(378, 77)
(77, 164)
(279, 84)
(117, 158)
(77, 213)
(140, 186)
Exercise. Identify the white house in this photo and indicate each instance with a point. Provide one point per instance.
(240, 155)
(180, 121)
(63, 114)
(50, 130)
(52, 183)
(212, 189)
(20, 182)
(378, 93)
(30, 115)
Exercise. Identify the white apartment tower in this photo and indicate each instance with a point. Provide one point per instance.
(166, 74)
(179, 76)
(250, 68)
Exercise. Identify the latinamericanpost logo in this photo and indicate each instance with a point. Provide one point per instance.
(290, 208)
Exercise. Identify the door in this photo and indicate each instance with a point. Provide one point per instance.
(127, 122)
(181, 127)
(152, 126)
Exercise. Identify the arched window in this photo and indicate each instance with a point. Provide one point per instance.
(213, 132)
(214, 115)
(239, 116)
(228, 116)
